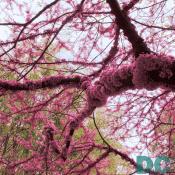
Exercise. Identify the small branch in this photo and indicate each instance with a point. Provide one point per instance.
(103, 156)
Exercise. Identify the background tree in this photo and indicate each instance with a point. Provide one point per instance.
(62, 60)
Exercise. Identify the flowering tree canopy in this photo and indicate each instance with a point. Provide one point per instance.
(85, 84)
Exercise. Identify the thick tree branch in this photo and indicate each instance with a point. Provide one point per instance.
(50, 82)
(138, 44)
(149, 71)
(86, 112)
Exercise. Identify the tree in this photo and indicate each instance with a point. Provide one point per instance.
(61, 61)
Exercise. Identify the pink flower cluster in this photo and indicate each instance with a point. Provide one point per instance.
(111, 82)
(150, 63)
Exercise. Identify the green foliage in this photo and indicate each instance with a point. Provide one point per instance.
(102, 122)
(78, 133)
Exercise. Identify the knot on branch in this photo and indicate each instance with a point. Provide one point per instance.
(85, 82)
(96, 95)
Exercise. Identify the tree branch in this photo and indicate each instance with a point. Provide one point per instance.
(138, 44)
(50, 82)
